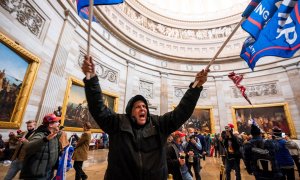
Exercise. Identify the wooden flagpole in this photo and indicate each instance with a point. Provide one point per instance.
(88, 75)
(221, 48)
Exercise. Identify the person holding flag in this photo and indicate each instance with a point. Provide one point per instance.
(137, 148)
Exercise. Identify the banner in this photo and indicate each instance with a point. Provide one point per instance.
(260, 16)
(279, 38)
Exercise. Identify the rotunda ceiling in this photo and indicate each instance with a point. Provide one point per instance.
(195, 10)
(184, 30)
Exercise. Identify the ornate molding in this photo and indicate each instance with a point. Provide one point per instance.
(264, 89)
(179, 92)
(102, 71)
(177, 33)
(146, 89)
(26, 14)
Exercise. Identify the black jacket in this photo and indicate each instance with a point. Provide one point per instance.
(135, 152)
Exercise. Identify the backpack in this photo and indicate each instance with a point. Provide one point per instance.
(263, 158)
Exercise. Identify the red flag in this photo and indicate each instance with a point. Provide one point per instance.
(237, 78)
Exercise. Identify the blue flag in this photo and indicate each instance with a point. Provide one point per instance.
(280, 36)
(64, 163)
(84, 3)
(84, 13)
(259, 17)
(251, 6)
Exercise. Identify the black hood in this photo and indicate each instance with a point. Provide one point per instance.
(132, 101)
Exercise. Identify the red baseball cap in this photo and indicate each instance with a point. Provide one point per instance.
(179, 133)
(49, 118)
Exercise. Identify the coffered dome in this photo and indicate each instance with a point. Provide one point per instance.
(195, 10)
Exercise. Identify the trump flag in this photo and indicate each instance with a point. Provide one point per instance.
(251, 6)
(280, 36)
(259, 17)
(84, 3)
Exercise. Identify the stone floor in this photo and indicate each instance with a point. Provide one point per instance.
(96, 164)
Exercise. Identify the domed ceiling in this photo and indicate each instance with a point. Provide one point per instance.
(184, 30)
(195, 10)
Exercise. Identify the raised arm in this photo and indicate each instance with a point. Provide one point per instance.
(171, 121)
(106, 118)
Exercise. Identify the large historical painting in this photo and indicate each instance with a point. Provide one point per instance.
(75, 109)
(266, 116)
(201, 119)
(18, 70)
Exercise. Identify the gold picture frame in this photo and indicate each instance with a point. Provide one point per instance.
(75, 110)
(202, 119)
(266, 117)
(18, 70)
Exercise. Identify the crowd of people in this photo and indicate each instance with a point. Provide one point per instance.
(39, 152)
(264, 155)
(140, 144)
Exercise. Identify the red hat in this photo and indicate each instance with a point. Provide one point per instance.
(179, 133)
(231, 125)
(19, 131)
(49, 118)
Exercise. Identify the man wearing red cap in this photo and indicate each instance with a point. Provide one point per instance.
(42, 150)
(176, 158)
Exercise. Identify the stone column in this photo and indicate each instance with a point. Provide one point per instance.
(163, 93)
(221, 102)
(294, 79)
(57, 68)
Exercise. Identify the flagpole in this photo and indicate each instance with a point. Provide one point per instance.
(88, 75)
(221, 48)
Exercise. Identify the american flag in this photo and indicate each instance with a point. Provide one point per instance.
(237, 78)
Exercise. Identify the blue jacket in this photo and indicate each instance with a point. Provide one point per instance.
(283, 156)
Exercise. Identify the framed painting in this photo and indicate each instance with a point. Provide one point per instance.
(266, 116)
(201, 119)
(18, 69)
(75, 110)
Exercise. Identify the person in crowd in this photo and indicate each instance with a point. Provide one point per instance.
(19, 155)
(194, 154)
(2, 148)
(233, 155)
(262, 166)
(203, 144)
(42, 150)
(294, 150)
(222, 147)
(81, 151)
(104, 138)
(208, 144)
(73, 139)
(58, 112)
(283, 157)
(12, 144)
(176, 158)
(217, 145)
(137, 147)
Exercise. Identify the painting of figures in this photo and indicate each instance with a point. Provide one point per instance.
(18, 69)
(201, 119)
(75, 109)
(265, 116)
(12, 73)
